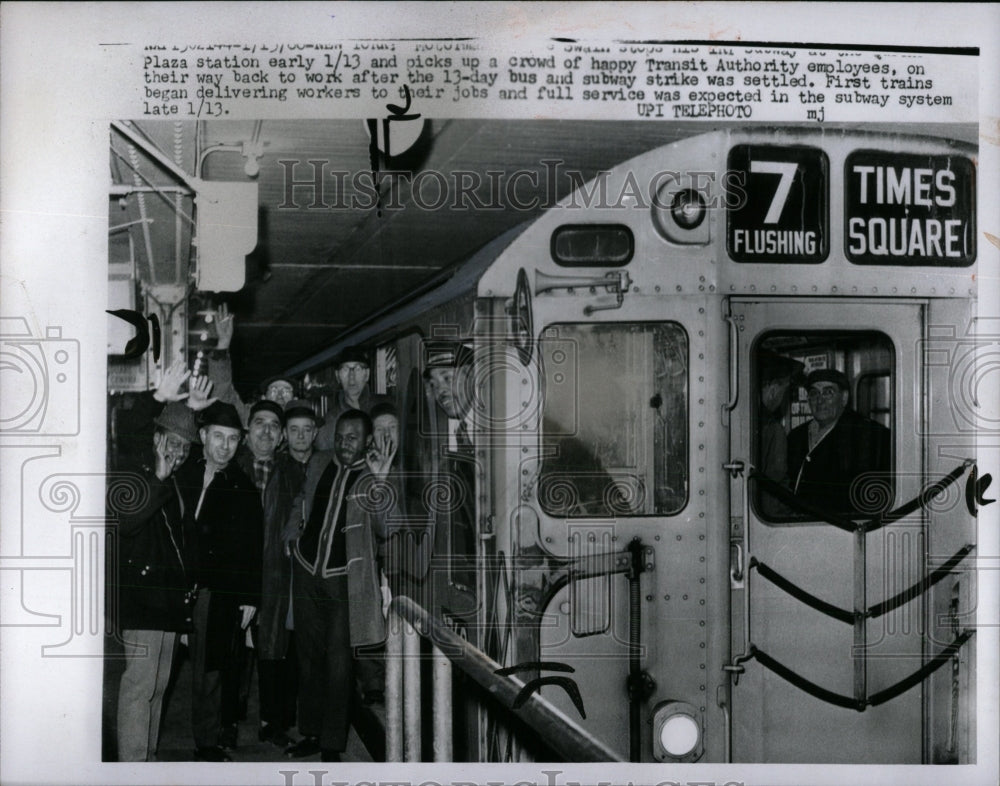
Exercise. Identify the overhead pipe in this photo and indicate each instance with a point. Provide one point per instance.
(142, 143)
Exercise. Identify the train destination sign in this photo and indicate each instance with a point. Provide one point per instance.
(909, 209)
(783, 214)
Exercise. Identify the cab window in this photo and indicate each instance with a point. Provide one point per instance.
(823, 418)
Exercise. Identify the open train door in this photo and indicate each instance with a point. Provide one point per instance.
(806, 665)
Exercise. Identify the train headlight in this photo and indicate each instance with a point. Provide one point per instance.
(679, 211)
(688, 208)
(677, 733)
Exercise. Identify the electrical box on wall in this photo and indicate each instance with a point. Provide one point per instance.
(227, 232)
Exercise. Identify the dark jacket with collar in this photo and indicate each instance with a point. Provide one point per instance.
(284, 484)
(228, 533)
(824, 476)
(152, 586)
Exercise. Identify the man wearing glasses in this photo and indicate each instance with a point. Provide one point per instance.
(830, 452)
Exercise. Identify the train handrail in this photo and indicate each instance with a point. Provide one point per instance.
(919, 502)
(874, 611)
(860, 704)
(559, 732)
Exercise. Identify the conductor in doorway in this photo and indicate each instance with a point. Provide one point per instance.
(828, 454)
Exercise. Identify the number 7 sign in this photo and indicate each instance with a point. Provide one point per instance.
(786, 215)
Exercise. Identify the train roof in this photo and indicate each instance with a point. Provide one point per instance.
(451, 284)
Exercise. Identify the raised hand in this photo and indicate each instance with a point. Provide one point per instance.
(224, 326)
(381, 452)
(201, 389)
(171, 380)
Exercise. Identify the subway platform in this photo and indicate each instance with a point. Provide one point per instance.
(176, 743)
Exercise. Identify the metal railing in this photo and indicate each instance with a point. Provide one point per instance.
(408, 622)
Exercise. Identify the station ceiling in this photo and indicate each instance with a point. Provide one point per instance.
(322, 265)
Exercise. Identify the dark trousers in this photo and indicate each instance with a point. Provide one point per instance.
(206, 699)
(326, 668)
(233, 679)
(278, 682)
(370, 666)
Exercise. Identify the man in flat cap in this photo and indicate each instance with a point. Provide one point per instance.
(154, 586)
(225, 508)
(827, 454)
(276, 660)
(352, 372)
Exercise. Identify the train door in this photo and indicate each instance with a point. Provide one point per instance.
(803, 661)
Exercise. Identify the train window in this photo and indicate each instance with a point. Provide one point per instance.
(822, 422)
(615, 420)
(589, 245)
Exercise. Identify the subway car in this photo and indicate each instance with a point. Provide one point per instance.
(632, 561)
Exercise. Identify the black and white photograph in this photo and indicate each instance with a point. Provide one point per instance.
(504, 393)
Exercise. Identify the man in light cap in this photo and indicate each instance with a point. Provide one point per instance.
(226, 513)
(153, 584)
(275, 639)
(827, 454)
(352, 372)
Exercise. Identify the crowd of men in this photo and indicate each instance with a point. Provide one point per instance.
(255, 540)
(259, 530)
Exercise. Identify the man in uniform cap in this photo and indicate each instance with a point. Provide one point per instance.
(827, 454)
(448, 369)
(225, 510)
(352, 372)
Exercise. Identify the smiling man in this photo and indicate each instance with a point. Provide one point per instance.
(830, 452)
(227, 524)
(332, 533)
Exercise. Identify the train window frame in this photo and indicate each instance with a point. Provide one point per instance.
(818, 342)
(681, 429)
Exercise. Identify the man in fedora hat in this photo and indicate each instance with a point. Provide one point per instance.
(277, 667)
(154, 586)
(830, 452)
(226, 515)
(352, 372)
